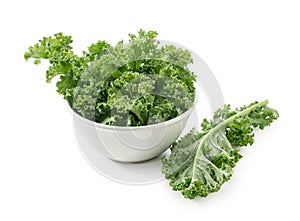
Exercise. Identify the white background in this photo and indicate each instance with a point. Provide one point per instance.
(253, 48)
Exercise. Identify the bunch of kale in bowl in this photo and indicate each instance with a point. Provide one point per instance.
(138, 83)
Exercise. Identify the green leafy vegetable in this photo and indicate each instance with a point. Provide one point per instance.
(132, 84)
(200, 163)
(63, 61)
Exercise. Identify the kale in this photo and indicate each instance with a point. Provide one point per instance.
(200, 162)
(133, 84)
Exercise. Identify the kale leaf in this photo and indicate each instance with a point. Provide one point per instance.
(63, 62)
(201, 162)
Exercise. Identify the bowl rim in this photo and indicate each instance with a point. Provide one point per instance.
(157, 125)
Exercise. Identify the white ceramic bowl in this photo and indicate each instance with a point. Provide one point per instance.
(130, 144)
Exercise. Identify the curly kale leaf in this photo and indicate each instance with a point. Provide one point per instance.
(63, 61)
(200, 163)
(131, 99)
